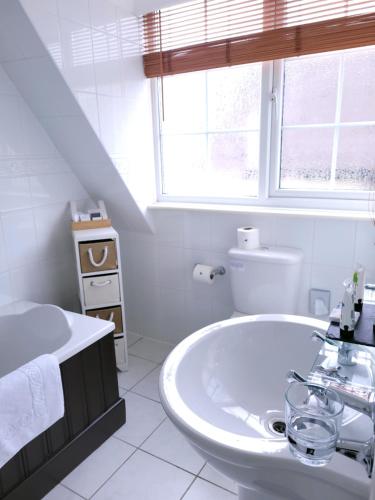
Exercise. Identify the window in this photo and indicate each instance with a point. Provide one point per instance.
(302, 127)
(210, 134)
(328, 122)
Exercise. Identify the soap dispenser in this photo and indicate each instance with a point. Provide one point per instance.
(359, 287)
(347, 319)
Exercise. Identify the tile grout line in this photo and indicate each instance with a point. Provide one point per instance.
(140, 380)
(69, 489)
(188, 488)
(113, 473)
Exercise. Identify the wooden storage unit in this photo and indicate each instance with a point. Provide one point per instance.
(100, 282)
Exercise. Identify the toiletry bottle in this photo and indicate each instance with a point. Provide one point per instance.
(359, 287)
(347, 320)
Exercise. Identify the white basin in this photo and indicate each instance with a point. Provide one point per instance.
(224, 385)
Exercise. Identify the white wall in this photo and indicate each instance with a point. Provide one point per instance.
(163, 301)
(95, 44)
(36, 252)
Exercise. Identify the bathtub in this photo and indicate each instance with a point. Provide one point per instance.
(28, 330)
(93, 409)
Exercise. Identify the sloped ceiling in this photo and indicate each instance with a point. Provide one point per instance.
(32, 69)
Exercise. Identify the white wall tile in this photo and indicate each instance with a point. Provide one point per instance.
(20, 238)
(14, 193)
(12, 141)
(171, 267)
(77, 56)
(49, 189)
(330, 278)
(197, 230)
(6, 292)
(6, 85)
(365, 245)
(53, 231)
(36, 261)
(334, 242)
(77, 10)
(103, 15)
(295, 232)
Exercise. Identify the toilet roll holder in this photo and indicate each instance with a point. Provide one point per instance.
(217, 271)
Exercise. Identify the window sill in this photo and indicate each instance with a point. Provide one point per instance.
(240, 209)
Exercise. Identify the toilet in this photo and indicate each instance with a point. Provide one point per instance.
(265, 280)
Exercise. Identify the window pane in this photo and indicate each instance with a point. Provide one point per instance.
(306, 158)
(210, 136)
(331, 89)
(356, 158)
(310, 89)
(358, 99)
(233, 160)
(184, 161)
(184, 102)
(233, 96)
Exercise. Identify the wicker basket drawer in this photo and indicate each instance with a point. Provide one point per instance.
(109, 314)
(98, 256)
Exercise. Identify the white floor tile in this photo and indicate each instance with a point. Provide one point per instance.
(149, 386)
(98, 467)
(152, 350)
(216, 477)
(138, 368)
(201, 490)
(61, 493)
(132, 338)
(169, 444)
(144, 477)
(142, 418)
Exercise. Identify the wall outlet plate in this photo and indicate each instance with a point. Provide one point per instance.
(319, 302)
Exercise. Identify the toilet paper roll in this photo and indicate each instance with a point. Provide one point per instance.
(204, 274)
(248, 238)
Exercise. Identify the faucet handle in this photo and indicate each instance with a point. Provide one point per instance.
(318, 336)
(293, 376)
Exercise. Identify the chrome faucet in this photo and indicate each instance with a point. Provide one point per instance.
(346, 350)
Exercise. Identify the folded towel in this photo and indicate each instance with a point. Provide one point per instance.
(31, 400)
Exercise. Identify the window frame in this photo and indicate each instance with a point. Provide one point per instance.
(269, 192)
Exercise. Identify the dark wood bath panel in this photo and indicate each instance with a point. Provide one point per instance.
(93, 412)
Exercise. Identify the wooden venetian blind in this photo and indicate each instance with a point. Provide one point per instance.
(204, 34)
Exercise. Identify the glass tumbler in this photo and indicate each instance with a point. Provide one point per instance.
(313, 415)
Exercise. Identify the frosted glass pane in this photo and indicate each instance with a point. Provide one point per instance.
(185, 103)
(233, 97)
(356, 158)
(310, 89)
(306, 158)
(230, 169)
(358, 100)
(184, 162)
(233, 159)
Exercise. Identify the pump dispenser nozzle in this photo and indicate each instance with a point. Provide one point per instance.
(347, 319)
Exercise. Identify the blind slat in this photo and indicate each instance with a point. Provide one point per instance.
(205, 34)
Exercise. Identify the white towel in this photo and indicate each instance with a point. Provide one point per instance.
(31, 400)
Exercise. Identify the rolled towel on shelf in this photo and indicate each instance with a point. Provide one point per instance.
(31, 400)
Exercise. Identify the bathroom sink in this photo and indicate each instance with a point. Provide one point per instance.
(223, 387)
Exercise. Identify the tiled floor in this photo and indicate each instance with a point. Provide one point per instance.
(147, 459)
